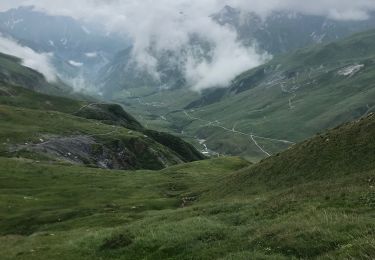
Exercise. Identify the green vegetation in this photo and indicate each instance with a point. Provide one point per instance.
(315, 200)
(110, 114)
(61, 211)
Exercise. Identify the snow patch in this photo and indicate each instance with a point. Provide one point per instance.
(91, 54)
(75, 63)
(350, 70)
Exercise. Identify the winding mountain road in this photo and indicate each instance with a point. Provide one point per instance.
(234, 131)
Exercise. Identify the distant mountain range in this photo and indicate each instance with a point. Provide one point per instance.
(279, 33)
(282, 32)
(86, 56)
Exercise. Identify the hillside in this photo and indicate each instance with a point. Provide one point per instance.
(313, 201)
(50, 128)
(268, 108)
(344, 152)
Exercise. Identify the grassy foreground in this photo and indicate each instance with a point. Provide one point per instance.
(65, 212)
(68, 212)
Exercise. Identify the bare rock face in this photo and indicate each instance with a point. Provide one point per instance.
(86, 150)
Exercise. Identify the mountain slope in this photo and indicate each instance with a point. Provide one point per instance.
(344, 152)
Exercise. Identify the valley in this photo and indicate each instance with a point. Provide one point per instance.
(282, 94)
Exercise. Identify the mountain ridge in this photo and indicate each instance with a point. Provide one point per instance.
(77, 131)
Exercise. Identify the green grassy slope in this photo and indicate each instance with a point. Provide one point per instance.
(63, 212)
(313, 201)
(41, 134)
(49, 135)
(290, 98)
(46, 127)
(344, 152)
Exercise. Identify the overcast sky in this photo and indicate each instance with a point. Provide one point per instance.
(167, 25)
(336, 9)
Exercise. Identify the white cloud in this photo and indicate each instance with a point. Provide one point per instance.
(228, 59)
(117, 11)
(37, 61)
(168, 25)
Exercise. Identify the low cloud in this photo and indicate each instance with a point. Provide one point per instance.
(31, 59)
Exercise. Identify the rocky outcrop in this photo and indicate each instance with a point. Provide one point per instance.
(134, 153)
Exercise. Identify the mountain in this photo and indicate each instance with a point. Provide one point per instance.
(79, 49)
(278, 33)
(56, 129)
(270, 107)
(314, 201)
(285, 31)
